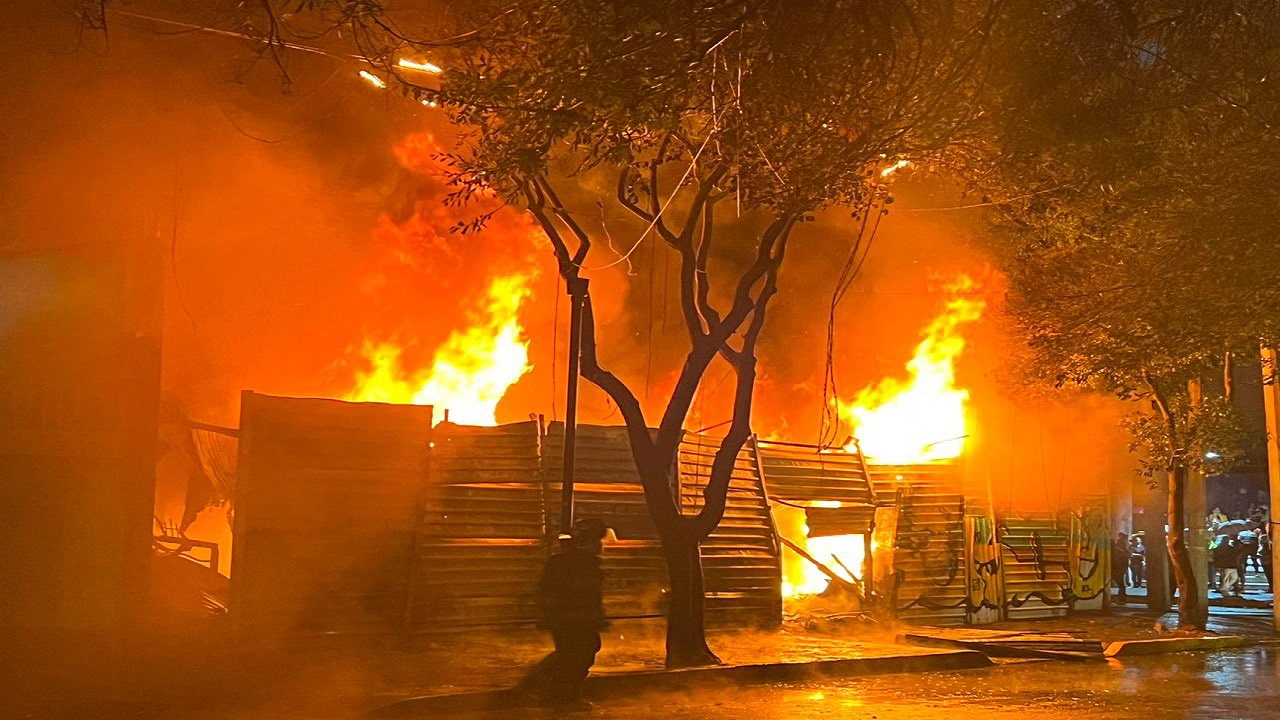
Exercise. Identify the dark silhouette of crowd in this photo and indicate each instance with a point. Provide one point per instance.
(1239, 544)
(1128, 563)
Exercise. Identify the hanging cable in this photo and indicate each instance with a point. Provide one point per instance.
(657, 216)
(829, 421)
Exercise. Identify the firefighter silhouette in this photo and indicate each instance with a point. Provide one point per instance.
(571, 596)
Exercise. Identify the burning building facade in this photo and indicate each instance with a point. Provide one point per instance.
(389, 515)
(387, 519)
(265, 289)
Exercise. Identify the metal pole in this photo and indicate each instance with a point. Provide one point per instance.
(577, 301)
(1271, 398)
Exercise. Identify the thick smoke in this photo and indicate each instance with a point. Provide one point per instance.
(279, 219)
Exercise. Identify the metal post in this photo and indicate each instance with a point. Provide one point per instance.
(577, 302)
(1271, 398)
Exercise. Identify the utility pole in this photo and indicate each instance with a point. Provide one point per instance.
(577, 302)
(1271, 398)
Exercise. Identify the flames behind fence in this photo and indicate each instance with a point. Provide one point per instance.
(470, 371)
(921, 419)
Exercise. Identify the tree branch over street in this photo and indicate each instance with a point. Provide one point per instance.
(1150, 257)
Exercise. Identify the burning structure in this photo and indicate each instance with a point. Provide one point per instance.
(387, 520)
(900, 519)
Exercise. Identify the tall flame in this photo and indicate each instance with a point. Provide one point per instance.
(923, 418)
(470, 371)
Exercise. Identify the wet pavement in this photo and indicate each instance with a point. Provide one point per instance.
(218, 681)
(1205, 686)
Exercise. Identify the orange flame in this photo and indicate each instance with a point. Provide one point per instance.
(842, 554)
(470, 372)
(922, 419)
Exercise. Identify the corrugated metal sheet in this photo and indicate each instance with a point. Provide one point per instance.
(929, 552)
(824, 522)
(483, 537)
(1034, 550)
(607, 486)
(325, 514)
(802, 475)
(985, 573)
(741, 559)
(1090, 551)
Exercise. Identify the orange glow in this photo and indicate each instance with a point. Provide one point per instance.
(470, 371)
(424, 66)
(894, 168)
(801, 577)
(831, 551)
(373, 80)
(920, 419)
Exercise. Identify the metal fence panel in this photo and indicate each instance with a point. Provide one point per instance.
(1036, 559)
(742, 563)
(930, 579)
(325, 514)
(483, 536)
(607, 486)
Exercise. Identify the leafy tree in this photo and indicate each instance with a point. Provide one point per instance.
(1137, 225)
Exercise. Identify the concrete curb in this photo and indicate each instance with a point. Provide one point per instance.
(607, 685)
(1155, 646)
(994, 648)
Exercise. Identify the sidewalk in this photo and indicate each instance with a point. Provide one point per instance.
(1256, 594)
(749, 657)
(1137, 597)
(207, 675)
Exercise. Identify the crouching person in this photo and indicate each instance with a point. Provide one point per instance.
(571, 595)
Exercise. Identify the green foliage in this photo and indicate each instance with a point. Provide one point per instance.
(1138, 169)
(1208, 440)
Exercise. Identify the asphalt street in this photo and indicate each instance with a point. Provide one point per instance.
(1205, 686)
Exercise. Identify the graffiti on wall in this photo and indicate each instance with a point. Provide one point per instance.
(980, 569)
(986, 592)
(1090, 548)
(930, 552)
(1036, 561)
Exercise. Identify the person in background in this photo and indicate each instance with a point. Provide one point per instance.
(1248, 540)
(571, 594)
(1137, 561)
(1216, 518)
(1213, 567)
(1226, 556)
(1119, 566)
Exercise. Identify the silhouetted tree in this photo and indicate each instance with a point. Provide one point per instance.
(773, 110)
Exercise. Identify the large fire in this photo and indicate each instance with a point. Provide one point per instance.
(897, 422)
(920, 419)
(483, 282)
(470, 371)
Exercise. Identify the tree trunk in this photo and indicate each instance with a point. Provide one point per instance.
(686, 630)
(1191, 612)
